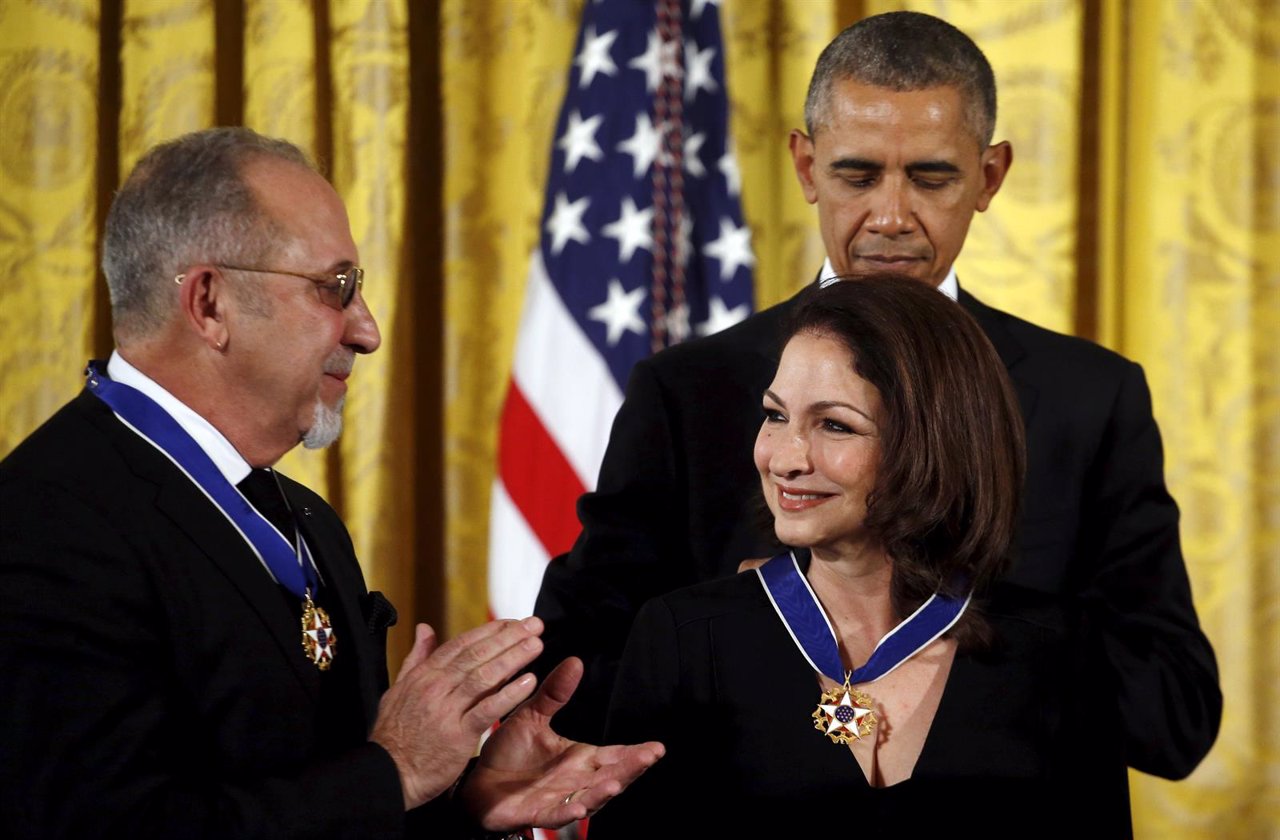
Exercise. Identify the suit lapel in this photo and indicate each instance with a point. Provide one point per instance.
(212, 535)
(341, 575)
(1010, 350)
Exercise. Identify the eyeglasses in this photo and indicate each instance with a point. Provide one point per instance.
(336, 290)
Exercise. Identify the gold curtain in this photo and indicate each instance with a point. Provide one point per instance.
(1143, 211)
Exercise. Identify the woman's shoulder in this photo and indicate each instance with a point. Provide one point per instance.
(730, 595)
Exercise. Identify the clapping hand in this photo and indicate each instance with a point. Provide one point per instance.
(444, 699)
(528, 775)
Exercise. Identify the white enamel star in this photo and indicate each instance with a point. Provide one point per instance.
(853, 724)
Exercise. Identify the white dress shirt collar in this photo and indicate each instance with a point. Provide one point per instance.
(949, 286)
(224, 456)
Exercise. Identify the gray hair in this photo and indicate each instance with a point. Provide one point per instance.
(905, 51)
(185, 202)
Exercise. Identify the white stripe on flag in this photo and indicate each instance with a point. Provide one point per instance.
(516, 559)
(567, 383)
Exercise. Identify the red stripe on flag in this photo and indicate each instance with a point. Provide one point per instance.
(537, 476)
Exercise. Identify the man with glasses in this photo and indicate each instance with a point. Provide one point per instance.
(188, 645)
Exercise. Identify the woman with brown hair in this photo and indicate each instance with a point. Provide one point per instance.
(873, 675)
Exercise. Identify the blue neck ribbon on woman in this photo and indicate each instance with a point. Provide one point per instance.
(801, 613)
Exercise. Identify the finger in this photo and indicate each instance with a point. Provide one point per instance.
(424, 642)
(622, 766)
(483, 643)
(557, 688)
(487, 677)
(561, 814)
(499, 704)
(594, 797)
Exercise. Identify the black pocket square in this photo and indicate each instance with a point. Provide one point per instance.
(379, 613)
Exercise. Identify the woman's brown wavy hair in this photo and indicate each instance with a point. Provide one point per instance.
(947, 494)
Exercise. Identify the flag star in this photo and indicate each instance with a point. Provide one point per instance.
(643, 145)
(699, 5)
(732, 249)
(595, 57)
(620, 312)
(565, 222)
(633, 229)
(579, 140)
(678, 324)
(697, 65)
(722, 317)
(693, 163)
(728, 167)
(657, 60)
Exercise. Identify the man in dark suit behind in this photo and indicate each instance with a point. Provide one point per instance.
(166, 674)
(897, 156)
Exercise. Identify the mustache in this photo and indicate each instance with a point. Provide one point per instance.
(340, 362)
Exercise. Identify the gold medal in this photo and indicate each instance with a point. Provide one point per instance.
(845, 714)
(318, 639)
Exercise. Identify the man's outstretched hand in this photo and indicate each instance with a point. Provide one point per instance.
(527, 775)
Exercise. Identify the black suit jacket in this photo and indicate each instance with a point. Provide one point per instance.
(711, 672)
(677, 503)
(154, 683)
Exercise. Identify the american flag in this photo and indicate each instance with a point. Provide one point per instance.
(643, 245)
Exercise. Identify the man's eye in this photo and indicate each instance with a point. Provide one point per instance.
(933, 183)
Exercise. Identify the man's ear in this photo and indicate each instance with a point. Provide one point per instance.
(202, 298)
(996, 161)
(802, 157)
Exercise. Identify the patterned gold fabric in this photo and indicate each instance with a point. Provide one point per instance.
(48, 96)
(1142, 210)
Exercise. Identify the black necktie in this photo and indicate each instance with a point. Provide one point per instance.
(262, 491)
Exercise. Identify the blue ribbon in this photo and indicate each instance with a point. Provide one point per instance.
(157, 427)
(805, 620)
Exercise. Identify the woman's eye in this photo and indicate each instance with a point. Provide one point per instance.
(836, 426)
(772, 415)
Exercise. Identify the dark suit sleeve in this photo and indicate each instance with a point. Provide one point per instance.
(629, 551)
(1137, 597)
(96, 738)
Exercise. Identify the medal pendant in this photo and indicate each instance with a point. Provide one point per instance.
(845, 714)
(318, 639)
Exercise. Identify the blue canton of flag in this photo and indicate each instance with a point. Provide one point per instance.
(642, 231)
